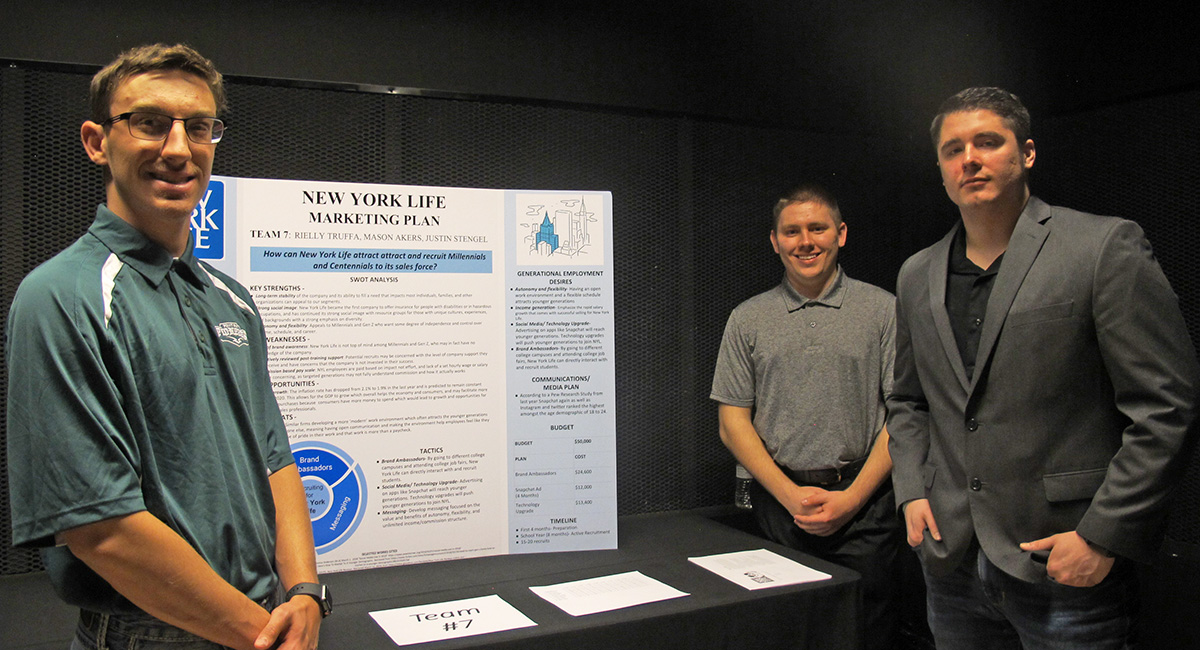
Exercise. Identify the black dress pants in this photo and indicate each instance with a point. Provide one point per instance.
(868, 544)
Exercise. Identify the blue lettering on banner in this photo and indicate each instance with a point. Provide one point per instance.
(208, 223)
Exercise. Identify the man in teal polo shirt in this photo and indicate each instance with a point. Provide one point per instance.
(147, 454)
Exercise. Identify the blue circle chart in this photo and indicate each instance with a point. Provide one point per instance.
(336, 491)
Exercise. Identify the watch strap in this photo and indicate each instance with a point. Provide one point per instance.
(317, 591)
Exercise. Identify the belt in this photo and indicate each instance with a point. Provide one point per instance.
(92, 619)
(827, 476)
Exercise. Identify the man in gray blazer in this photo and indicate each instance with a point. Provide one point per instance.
(1044, 386)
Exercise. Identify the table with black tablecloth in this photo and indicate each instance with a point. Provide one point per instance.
(716, 614)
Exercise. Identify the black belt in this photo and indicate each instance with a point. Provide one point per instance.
(827, 476)
(91, 619)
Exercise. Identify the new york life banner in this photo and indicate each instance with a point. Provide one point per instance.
(443, 358)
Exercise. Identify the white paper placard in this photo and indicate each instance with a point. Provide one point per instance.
(606, 593)
(759, 569)
(450, 620)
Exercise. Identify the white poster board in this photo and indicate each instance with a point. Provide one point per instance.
(443, 358)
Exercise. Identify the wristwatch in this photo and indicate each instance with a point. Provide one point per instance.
(319, 593)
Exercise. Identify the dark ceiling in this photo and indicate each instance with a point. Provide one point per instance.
(842, 67)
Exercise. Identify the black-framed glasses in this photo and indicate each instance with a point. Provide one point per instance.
(145, 125)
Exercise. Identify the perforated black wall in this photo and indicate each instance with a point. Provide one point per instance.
(691, 203)
(48, 195)
(383, 138)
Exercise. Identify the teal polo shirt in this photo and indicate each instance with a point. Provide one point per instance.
(139, 382)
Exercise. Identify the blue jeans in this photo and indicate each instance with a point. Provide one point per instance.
(133, 631)
(980, 607)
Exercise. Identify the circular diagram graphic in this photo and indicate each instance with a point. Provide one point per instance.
(336, 490)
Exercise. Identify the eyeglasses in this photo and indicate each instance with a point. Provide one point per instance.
(156, 126)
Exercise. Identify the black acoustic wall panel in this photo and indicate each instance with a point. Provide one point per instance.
(48, 196)
(50, 190)
(691, 199)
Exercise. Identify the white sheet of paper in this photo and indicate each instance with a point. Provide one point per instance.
(759, 569)
(606, 593)
(450, 620)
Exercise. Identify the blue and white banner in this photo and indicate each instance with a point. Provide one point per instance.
(208, 223)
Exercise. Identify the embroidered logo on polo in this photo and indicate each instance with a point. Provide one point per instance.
(231, 332)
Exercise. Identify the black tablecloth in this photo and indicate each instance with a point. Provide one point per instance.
(717, 614)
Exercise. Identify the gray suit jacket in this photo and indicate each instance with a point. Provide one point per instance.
(1083, 394)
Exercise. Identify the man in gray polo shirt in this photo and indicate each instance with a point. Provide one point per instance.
(801, 378)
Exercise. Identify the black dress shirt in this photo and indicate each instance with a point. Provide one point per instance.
(968, 288)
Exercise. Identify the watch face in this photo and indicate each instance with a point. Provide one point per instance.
(326, 600)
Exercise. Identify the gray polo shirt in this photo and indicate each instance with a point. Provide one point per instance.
(139, 382)
(816, 372)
